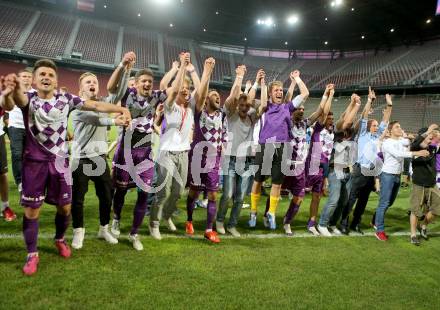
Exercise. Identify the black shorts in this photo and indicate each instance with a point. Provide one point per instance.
(3, 156)
(274, 158)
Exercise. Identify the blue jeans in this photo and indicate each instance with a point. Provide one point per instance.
(339, 190)
(389, 188)
(234, 186)
(16, 135)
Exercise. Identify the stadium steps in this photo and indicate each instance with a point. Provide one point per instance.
(374, 75)
(328, 77)
(432, 66)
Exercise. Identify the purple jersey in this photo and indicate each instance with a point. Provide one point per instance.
(46, 125)
(327, 138)
(314, 155)
(299, 133)
(277, 123)
(142, 109)
(210, 128)
(437, 164)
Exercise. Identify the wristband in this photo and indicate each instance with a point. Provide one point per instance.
(121, 65)
(192, 71)
(324, 97)
(255, 86)
(239, 77)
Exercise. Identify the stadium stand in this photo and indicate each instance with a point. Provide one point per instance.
(172, 48)
(97, 42)
(54, 31)
(222, 63)
(144, 44)
(12, 23)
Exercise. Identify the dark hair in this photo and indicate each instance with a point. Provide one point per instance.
(330, 113)
(369, 123)
(243, 97)
(391, 125)
(45, 63)
(143, 72)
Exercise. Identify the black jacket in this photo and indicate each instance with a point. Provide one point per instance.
(424, 168)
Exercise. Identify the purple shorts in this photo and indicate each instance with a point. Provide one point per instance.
(295, 184)
(122, 178)
(46, 181)
(204, 180)
(316, 182)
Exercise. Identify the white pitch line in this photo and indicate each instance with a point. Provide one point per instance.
(243, 236)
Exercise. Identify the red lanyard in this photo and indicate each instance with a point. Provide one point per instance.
(183, 117)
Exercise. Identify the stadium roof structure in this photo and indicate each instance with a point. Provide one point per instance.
(275, 24)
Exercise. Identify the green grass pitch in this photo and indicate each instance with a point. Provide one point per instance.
(246, 273)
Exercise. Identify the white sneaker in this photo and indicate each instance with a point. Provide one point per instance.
(137, 244)
(245, 206)
(103, 233)
(115, 228)
(234, 232)
(220, 227)
(171, 225)
(252, 220)
(288, 230)
(78, 238)
(154, 230)
(265, 221)
(271, 220)
(313, 231)
(336, 231)
(324, 231)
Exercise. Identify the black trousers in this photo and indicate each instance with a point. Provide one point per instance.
(361, 187)
(103, 188)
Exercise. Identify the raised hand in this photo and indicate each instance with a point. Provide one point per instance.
(129, 59)
(329, 88)
(248, 84)
(294, 74)
(332, 92)
(209, 63)
(175, 65)
(371, 94)
(190, 68)
(185, 58)
(388, 99)
(240, 70)
(260, 75)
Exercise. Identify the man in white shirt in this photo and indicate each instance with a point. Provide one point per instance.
(16, 129)
(240, 118)
(175, 142)
(394, 152)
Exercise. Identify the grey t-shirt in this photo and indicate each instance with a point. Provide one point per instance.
(241, 132)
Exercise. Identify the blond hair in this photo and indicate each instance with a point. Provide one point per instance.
(82, 77)
(273, 84)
